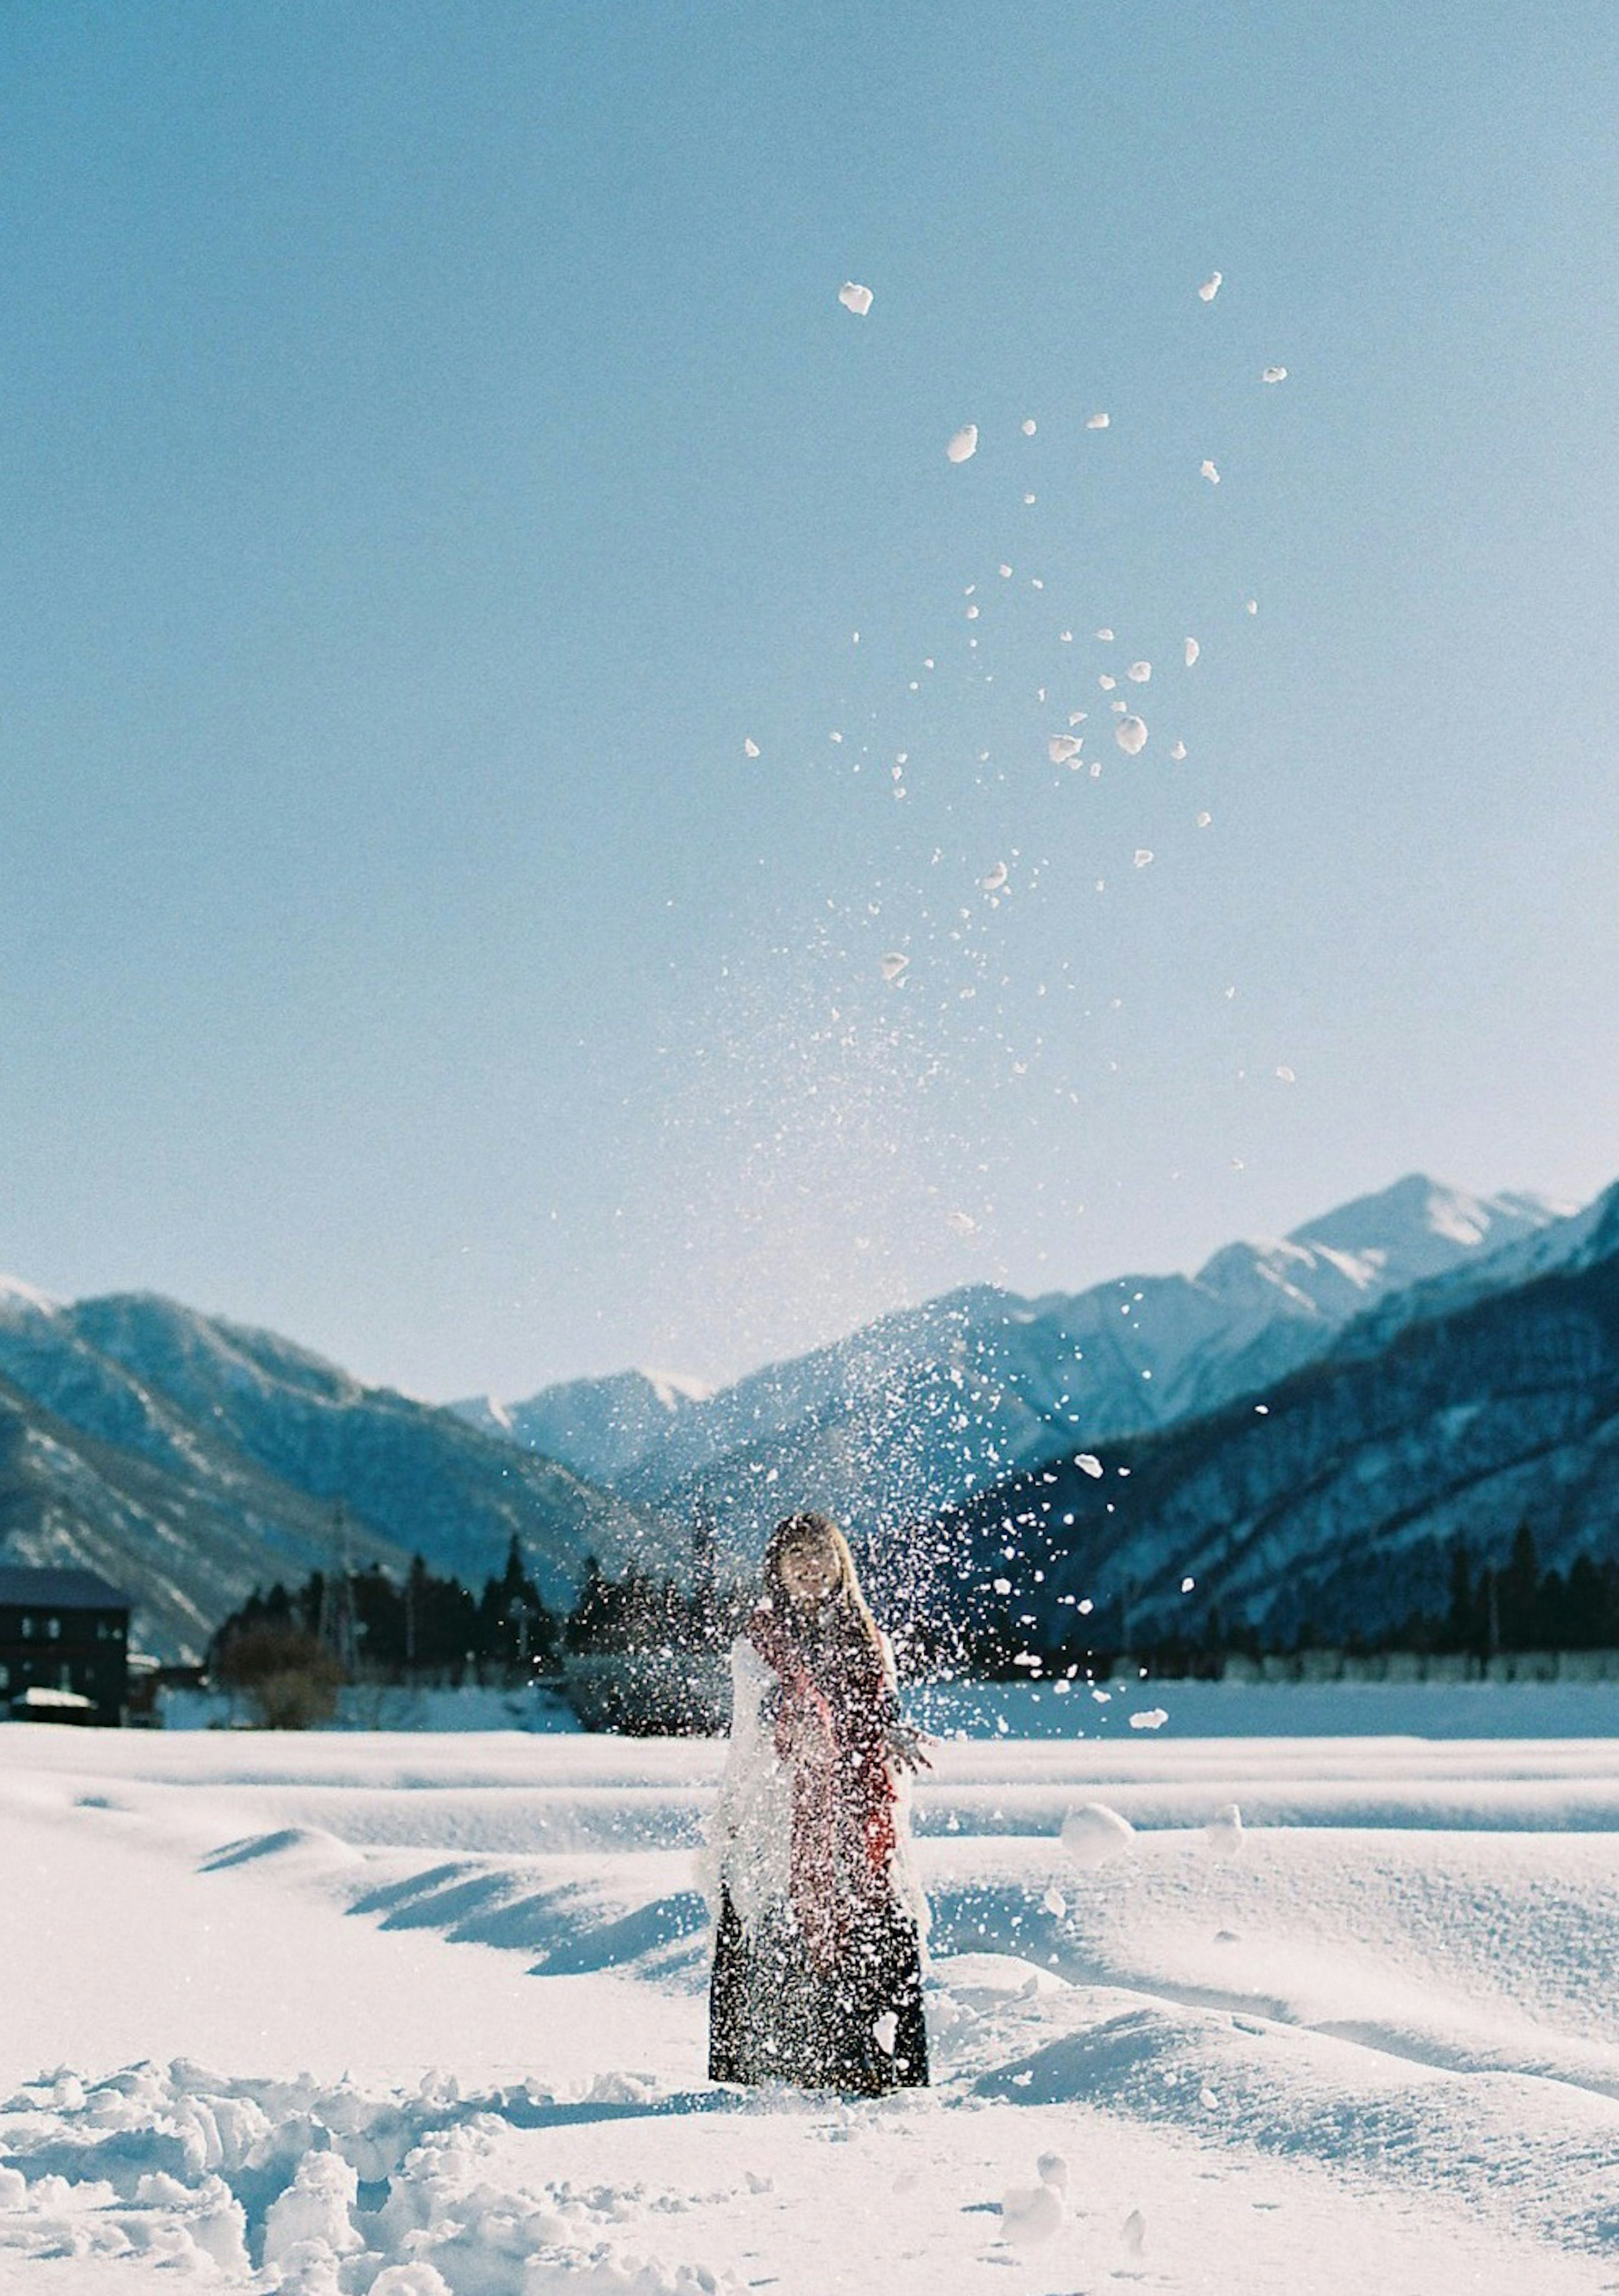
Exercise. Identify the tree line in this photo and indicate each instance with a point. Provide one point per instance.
(289, 1651)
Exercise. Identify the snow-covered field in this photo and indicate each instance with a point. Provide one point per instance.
(410, 2013)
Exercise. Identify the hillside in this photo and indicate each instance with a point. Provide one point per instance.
(1329, 1502)
(190, 1458)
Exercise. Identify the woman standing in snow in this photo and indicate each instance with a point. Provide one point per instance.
(820, 1919)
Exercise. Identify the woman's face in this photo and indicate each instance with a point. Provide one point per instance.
(810, 1570)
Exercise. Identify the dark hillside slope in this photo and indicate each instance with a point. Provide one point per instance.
(1329, 1502)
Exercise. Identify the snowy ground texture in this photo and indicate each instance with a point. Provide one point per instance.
(415, 2014)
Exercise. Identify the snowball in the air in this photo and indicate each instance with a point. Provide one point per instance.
(997, 878)
(1212, 285)
(1287, 1075)
(1251, 606)
(1192, 651)
(963, 445)
(1139, 672)
(1062, 746)
(1054, 1903)
(1148, 1717)
(893, 964)
(749, 748)
(855, 298)
(1274, 375)
(1093, 1834)
(1089, 1464)
(1130, 735)
(1106, 683)
(1029, 427)
(1206, 469)
(1143, 856)
(1106, 637)
(1097, 422)
(1203, 819)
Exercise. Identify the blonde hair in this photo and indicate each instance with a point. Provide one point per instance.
(811, 1530)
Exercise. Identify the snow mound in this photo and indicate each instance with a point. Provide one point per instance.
(313, 2191)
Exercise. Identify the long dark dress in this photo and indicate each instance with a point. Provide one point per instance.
(773, 2015)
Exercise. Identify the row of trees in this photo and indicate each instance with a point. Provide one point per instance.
(289, 1651)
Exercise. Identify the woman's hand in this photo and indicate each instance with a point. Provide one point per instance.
(906, 1746)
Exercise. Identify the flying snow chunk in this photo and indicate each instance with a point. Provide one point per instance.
(1106, 682)
(1206, 469)
(1179, 753)
(1093, 1834)
(1192, 649)
(1054, 1903)
(963, 445)
(749, 748)
(1203, 820)
(1139, 672)
(1106, 637)
(885, 2032)
(1212, 286)
(1031, 2214)
(1029, 426)
(1089, 1464)
(1222, 1837)
(893, 964)
(1274, 375)
(1149, 1717)
(1062, 746)
(1287, 1075)
(1097, 422)
(1143, 856)
(1130, 735)
(1004, 572)
(997, 878)
(1251, 606)
(961, 1223)
(854, 298)
(1186, 1586)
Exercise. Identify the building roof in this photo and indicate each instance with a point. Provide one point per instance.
(22, 1587)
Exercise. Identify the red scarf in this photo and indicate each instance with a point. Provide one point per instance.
(830, 1733)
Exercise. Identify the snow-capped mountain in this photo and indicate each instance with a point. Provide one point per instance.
(190, 1459)
(919, 1409)
(603, 1428)
(1482, 1400)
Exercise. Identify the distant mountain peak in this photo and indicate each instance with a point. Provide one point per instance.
(674, 1387)
(14, 1291)
(1420, 1207)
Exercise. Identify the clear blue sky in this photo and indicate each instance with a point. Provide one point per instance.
(430, 445)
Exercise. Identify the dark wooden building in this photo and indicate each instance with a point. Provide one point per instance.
(62, 1632)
